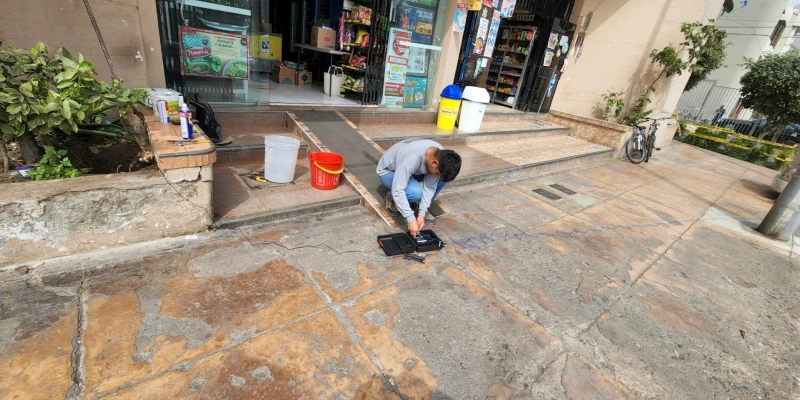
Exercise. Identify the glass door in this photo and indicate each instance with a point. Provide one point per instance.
(221, 49)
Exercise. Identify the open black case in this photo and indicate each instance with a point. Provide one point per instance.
(395, 244)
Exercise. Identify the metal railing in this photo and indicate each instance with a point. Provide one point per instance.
(710, 104)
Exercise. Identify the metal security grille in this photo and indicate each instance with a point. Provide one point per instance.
(563, 189)
(546, 193)
(376, 54)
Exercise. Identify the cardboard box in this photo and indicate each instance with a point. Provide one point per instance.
(323, 38)
(284, 75)
(303, 78)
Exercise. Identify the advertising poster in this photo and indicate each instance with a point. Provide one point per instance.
(551, 43)
(474, 5)
(563, 43)
(419, 21)
(488, 3)
(460, 18)
(417, 60)
(396, 68)
(507, 10)
(548, 58)
(579, 45)
(480, 38)
(414, 95)
(492, 38)
(213, 54)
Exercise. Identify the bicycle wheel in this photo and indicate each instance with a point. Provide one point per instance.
(635, 149)
(651, 143)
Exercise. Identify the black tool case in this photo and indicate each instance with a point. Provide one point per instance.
(395, 244)
(431, 243)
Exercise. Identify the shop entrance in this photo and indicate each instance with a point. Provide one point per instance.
(521, 63)
(302, 52)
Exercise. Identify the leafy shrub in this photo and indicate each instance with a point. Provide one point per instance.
(55, 165)
(741, 142)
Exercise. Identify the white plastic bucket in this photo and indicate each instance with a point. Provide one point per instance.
(333, 80)
(280, 158)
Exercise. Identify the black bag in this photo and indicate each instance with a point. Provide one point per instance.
(205, 118)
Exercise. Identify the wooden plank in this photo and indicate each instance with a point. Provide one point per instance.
(160, 135)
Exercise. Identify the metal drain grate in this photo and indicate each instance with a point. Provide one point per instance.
(546, 193)
(562, 189)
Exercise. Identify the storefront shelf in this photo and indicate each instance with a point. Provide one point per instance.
(352, 68)
(356, 22)
(509, 65)
(350, 89)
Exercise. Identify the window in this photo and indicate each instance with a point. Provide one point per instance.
(777, 33)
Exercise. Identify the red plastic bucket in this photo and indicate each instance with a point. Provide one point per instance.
(326, 168)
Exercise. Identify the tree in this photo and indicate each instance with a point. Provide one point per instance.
(705, 49)
(771, 86)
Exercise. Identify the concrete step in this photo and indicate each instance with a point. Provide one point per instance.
(285, 213)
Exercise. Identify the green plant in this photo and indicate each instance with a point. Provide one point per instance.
(639, 109)
(55, 165)
(704, 45)
(707, 51)
(771, 86)
(767, 149)
(755, 155)
(615, 104)
(736, 152)
(741, 142)
(42, 93)
(787, 154)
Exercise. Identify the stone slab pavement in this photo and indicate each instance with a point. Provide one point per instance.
(658, 289)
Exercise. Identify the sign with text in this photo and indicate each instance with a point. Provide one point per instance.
(213, 54)
(396, 67)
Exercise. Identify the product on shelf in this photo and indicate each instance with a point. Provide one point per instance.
(358, 61)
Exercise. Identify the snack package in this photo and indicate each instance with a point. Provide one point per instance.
(365, 14)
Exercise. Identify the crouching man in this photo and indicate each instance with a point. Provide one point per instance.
(415, 171)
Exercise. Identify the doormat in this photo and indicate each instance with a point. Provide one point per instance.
(254, 184)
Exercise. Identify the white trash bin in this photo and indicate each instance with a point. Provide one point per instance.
(280, 158)
(473, 106)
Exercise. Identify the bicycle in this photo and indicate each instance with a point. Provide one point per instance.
(640, 146)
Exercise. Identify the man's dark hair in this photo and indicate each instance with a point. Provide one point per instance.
(449, 164)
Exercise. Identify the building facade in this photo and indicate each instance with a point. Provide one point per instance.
(616, 39)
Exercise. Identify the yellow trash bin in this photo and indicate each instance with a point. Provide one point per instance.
(448, 107)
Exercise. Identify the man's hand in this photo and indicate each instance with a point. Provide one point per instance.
(415, 226)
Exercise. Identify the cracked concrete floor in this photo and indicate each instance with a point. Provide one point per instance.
(660, 298)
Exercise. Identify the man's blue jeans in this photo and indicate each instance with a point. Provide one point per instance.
(414, 188)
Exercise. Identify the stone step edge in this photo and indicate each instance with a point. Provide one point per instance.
(286, 213)
(517, 171)
(563, 130)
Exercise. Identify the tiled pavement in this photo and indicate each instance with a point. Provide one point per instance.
(538, 149)
(676, 308)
